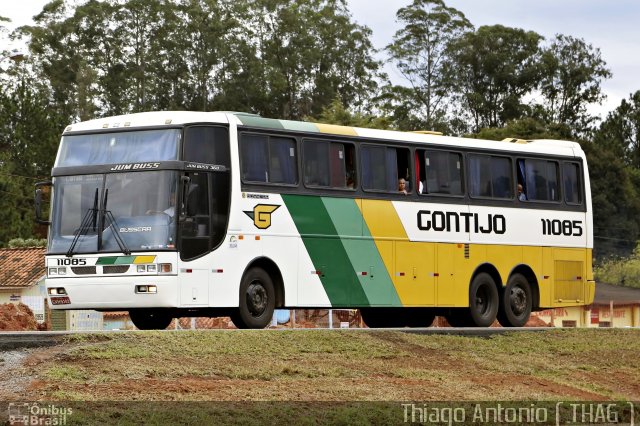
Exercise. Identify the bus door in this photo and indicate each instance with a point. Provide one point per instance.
(195, 240)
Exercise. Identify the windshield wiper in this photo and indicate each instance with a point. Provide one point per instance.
(88, 221)
(111, 221)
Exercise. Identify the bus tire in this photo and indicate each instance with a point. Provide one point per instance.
(483, 300)
(150, 319)
(257, 300)
(516, 302)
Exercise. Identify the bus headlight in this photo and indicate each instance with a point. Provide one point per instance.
(152, 268)
(165, 268)
(142, 269)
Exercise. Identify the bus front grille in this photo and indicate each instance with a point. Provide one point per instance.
(115, 269)
(84, 270)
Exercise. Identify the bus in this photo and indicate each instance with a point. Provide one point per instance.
(177, 214)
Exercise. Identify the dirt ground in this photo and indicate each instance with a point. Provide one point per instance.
(324, 365)
(17, 318)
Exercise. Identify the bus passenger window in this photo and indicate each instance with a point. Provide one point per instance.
(268, 159)
(443, 171)
(572, 186)
(490, 176)
(384, 167)
(541, 180)
(329, 164)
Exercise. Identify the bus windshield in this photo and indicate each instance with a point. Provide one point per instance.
(119, 147)
(98, 210)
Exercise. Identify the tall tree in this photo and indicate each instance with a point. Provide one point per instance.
(571, 75)
(311, 52)
(421, 54)
(620, 132)
(497, 67)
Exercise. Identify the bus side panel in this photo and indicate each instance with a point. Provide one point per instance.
(453, 275)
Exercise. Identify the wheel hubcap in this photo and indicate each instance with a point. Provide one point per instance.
(482, 301)
(518, 300)
(256, 298)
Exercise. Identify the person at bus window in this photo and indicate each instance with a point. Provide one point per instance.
(402, 186)
(521, 195)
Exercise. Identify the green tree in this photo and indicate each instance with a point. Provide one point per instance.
(571, 75)
(336, 113)
(620, 132)
(497, 67)
(420, 51)
(310, 52)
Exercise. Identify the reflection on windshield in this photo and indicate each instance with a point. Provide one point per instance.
(138, 207)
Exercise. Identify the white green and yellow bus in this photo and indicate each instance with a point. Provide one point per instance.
(174, 214)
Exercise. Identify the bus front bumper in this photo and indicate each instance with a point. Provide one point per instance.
(113, 293)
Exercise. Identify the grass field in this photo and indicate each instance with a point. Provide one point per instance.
(316, 367)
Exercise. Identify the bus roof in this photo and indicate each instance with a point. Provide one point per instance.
(172, 118)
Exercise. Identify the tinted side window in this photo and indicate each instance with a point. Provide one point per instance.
(207, 144)
(540, 180)
(443, 173)
(490, 176)
(384, 168)
(329, 164)
(268, 159)
(572, 183)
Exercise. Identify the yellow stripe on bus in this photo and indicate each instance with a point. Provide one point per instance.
(336, 130)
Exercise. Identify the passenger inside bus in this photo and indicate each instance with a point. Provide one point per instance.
(402, 186)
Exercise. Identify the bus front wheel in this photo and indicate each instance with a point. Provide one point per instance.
(515, 302)
(150, 319)
(257, 300)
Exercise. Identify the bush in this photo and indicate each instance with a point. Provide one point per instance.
(622, 271)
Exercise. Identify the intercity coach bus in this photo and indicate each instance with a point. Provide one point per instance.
(174, 214)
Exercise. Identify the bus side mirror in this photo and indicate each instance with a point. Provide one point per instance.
(42, 188)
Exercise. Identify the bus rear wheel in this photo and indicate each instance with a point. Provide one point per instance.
(150, 319)
(483, 300)
(257, 300)
(515, 302)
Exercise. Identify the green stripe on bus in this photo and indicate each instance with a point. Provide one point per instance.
(116, 260)
(300, 126)
(255, 121)
(326, 250)
(362, 252)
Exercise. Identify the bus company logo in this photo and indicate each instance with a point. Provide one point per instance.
(261, 215)
(134, 166)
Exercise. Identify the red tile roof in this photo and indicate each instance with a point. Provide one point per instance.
(21, 267)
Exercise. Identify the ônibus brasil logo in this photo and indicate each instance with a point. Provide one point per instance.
(261, 215)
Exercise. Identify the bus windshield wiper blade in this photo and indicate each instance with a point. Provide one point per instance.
(88, 221)
(111, 221)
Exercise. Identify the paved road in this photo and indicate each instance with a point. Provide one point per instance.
(11, 340)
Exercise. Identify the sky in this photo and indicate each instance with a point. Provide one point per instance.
(611, 25)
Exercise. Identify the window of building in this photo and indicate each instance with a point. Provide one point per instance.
(572, 185)
(539, 179)
(329, 164)
(385, 169)
(268, 159)
(442, 173)
(490, 176)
